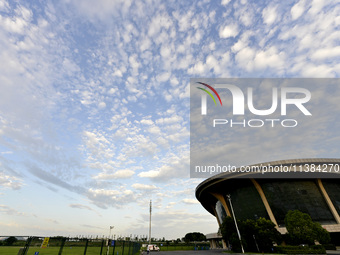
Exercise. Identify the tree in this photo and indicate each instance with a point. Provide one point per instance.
(302, 230)
(257, 236)
(10, 241)
(322, 235)
(227, 228)
(194, 237)
(266, 234)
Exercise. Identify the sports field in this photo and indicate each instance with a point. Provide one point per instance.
(13, 250)
(69, 250)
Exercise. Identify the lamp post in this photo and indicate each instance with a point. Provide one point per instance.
(150, 222)
(232, 211)
(108, 241)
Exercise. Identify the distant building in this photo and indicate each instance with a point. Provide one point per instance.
(253, 196)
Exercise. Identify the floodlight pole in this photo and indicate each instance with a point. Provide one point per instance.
(150, 222)
(232, 211)
(108, 241)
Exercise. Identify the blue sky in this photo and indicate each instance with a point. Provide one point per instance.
(94, 102)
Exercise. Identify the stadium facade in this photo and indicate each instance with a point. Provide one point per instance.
(314, 189)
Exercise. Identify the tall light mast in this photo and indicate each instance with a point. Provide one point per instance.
(237, 230)
(150, 222)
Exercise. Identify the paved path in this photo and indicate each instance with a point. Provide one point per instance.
(208, 252)
(198, 252)
(212, 252)
(333, 252)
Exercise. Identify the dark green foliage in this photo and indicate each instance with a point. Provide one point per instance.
(194, 237)
(227, 228)
(322, 235)
(314, 249)
(302, 230)
(329, 246)
(257, 236)
(266, 234)
(10, 241)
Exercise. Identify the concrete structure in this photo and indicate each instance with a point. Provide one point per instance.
(311, 186)
(216, 241)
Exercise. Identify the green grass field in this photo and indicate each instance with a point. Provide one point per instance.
(13, 250)
(76, 250)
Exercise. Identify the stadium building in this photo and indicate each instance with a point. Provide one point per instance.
(312, 186)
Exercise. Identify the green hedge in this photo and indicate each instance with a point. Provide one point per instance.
(315, 249)
(329, 246)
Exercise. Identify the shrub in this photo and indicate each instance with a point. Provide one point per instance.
(314, 249)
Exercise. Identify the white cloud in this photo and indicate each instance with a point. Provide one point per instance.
(154, 130)
(145, 44)
(10, 211)
(225, 2)
(318, 71)
(175, 166)
(102, 11)
(245, 58)
(141, 186)
(118, 73)
(134, 64)
(184, 20)
(181, 220)
(4, 6)
(326, 53)
(119, 174)
(228, 31)
(239, 46)
(117, 198)
(19, 23)
(246, 16)
(149, 174)
(165, 51)
(97, 146)
(316, 7)
(190, 201)
(80, 206)
(70, 67)
(163, 77)
(269, 15)
(170, 120)
(297, 10)
(157, 23)
(102, 105)
(269, 58)
(147, 122)
(170, 205)
(174, 81)
(10, 181)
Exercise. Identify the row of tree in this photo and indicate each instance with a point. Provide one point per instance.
(260, 235)
(194, 237)
(302, 230)
(8, 241)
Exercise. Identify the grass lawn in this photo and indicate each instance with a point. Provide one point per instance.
(13, 250)
(76, 250)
